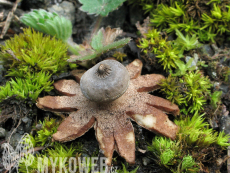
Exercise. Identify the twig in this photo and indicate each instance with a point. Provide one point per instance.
(217, 55)
(96, 26)
(8, 19)
(2, 15)
(216, 109)
(14, 130)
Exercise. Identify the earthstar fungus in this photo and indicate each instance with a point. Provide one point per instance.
(111, 119)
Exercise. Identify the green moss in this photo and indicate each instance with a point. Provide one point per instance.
(43, 136)
(28, 87)
(195, 132)
(124, 170)
(207, 20)
(59, 153)
(119, 56)
(190, 92)
(169, 154)
(164, 51)
(188, 164)
(49, 127)
(186, 43)
(216, 98)
(32, 52)
(54, 150)
(222, 139)
(194, 142)
(31, 58)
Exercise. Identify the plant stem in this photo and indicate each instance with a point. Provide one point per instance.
(97, 25)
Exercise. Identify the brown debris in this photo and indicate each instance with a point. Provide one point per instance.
(145, 27)
(111, 121)
(9, 19)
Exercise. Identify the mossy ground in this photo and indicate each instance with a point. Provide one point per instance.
(34, 58)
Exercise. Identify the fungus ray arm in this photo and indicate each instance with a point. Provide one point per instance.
(74, 126)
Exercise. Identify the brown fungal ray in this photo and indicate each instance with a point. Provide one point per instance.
(163, 104)
(71, 100)
(134, 68)
(77, 74)
(125, 139)
(105, 139)
(147, 83)
(118, 135)
(74, 126)
(67, 87)
(154, 120)
(111, 120)
(57, 103)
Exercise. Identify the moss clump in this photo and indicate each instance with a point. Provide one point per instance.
(31, 58)
(155, 47)
(28, 87)
(32, 52)
(44, 135)
(60, 155)
(119, 56)
(195, 132)
(169, 155)
(49, 127)
(195, 145)
(124, 170)
(190, 92)
(207, 20)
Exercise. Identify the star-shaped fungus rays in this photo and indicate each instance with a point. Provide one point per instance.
(111, 121)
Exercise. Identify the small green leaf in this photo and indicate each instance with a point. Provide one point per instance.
(100, 7)
(102, 42)
(96, 42)
(49, 23)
